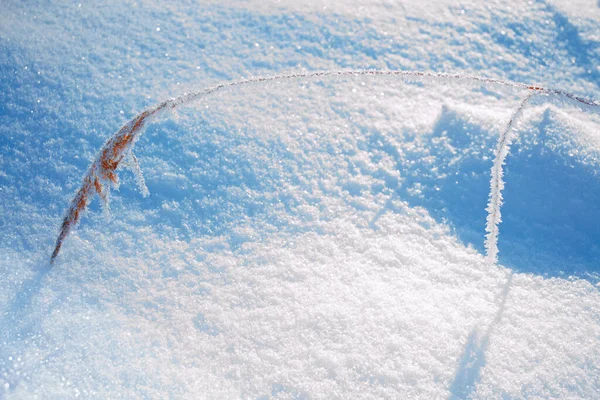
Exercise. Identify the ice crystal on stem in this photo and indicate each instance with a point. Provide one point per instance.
(497, 184)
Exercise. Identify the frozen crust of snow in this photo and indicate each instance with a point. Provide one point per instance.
(302, 239)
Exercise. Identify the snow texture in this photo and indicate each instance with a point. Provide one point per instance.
(306, 238)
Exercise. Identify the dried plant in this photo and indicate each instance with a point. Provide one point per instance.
(497, 185)
(117, 151)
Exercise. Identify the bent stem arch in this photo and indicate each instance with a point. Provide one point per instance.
(118, 150)
(497, 184)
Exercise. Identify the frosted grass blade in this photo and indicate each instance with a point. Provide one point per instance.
(101, 174)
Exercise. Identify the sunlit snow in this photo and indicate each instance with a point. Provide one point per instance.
(302, 238)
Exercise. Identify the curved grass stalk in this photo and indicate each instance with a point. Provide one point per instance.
(101, 174)
(497, 185)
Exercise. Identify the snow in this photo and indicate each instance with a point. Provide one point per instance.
(307, 238)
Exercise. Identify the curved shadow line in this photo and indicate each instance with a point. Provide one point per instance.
(472, 360)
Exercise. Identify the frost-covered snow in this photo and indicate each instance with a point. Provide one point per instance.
(308, 238)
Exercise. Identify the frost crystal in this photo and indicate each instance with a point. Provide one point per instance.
(131, 163)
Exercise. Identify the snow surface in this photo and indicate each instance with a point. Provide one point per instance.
(303, 238)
